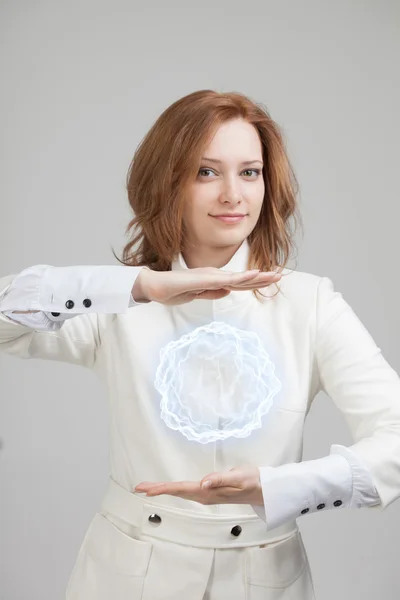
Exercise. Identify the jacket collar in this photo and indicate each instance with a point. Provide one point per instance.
(237, 263)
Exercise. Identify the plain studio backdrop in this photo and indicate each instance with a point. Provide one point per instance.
(81, 83)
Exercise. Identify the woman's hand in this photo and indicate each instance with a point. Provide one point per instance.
(240, 485)
(179, 287)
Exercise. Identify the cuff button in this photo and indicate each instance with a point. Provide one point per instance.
(87, 303)
(70, 304)
(337, 503)
(304, 511)
(320, 506)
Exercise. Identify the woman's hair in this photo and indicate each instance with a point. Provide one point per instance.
(167, 161)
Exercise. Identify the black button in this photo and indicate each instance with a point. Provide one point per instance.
(87, 302)
(70, 304)
(55, 314)
(155, 518)
(237, 530)
(304, 511)
(337, 503)
(320, 506)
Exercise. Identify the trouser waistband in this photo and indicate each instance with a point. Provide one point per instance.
(188, 527)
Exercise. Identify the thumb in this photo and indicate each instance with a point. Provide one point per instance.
(215, 480)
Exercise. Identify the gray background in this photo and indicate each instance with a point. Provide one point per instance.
(82, 82)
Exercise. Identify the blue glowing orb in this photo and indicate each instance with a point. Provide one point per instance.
(215, 382)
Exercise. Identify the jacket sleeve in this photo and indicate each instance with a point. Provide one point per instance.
(68, 300)
(365, 388)
(332, 482)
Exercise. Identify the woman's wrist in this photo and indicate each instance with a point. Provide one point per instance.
(140, 289)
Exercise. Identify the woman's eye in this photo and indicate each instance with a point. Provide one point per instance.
(256, 171)
(204, 169)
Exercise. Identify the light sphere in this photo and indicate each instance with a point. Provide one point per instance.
(216, 382)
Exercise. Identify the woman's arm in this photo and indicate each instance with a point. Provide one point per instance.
(366, 390)
(68, 300)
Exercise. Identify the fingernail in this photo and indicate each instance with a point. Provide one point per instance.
(206, 484)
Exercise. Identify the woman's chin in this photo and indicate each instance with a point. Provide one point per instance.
(231, 237)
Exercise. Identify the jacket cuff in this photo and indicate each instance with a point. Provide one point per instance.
(297, 489)
(72, 290)
(364, 490)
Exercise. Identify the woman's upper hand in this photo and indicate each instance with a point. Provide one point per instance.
(240, 485)
(179, 287)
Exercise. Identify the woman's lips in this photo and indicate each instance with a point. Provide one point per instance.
(227, 219)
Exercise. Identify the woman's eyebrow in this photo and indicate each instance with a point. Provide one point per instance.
(245, 162)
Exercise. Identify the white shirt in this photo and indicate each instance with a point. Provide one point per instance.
(290, 490)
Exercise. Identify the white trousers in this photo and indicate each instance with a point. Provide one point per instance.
(134, 550)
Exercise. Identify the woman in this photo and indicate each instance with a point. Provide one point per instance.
(213, 193)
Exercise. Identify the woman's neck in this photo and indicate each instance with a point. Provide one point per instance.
(216, 257)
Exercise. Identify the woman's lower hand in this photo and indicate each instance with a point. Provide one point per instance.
(179, 287)
(240, 485)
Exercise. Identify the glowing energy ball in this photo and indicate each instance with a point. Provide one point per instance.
(215, 382)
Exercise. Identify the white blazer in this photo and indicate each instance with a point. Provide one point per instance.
(313, 337)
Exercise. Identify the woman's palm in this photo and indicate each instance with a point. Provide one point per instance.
(180, 287)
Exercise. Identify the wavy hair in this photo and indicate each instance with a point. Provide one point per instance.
(167, 160)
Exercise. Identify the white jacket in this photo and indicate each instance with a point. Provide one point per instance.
(313, 337)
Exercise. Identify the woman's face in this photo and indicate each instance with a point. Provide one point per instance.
(230, 182)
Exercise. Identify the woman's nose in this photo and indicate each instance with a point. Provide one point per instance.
(231, 193)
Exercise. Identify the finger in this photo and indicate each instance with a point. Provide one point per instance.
(259, 273)
(151, 485)
(241, 282)
(214, 480)
(217, 480)
(219, 279)
(223, 279)
(268, 276)
(222, 495)
(252, 286)
(145, 485)
(213, 294)
(242, 275)
(227, 289)
(263, 280)
(174, 488)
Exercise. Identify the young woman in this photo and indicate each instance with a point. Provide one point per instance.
(213, 196)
